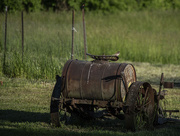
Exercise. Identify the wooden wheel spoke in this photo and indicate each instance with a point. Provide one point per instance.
(142, 108)
(143, 99)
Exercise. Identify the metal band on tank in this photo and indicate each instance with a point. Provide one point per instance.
(134, 72)
(64, 78)
(118, 90)
(102, 80)
(80, 83)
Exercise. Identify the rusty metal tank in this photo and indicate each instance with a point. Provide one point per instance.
(97, 80)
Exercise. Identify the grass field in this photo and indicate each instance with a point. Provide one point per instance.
(25, 95)
(139, 36)
(25, 107)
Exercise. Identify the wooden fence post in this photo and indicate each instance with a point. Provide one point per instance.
(73, 29)
(22, 35)
(84, 31)
(5, 41)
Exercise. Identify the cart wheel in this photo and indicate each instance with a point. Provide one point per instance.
(141, 106)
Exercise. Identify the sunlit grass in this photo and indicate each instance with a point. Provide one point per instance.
(139, 36)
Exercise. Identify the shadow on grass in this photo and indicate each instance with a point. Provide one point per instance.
(165, 131)
(59, 132)
(22, 116)
(32, 117)
(109, 123)
(75, 127)
(39, 132)
(99, 126)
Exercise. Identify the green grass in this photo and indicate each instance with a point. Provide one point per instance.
(25, 108)
(139, 36)
(146, 36)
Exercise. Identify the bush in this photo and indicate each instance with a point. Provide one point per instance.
(19, 5)
(31, 5)
(13, 5)
(91, 5)
(104, 5)
(55, 5)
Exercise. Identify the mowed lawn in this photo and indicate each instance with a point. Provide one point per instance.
(25, 107)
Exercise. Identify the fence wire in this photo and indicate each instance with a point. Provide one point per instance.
(47, 45)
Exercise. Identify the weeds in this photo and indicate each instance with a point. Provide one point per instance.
(139, 36)
(25, 110)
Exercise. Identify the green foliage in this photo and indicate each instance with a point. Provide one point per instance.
(31, 5)
(112, 5)
(176, 4)
(13, 5)
(19, 5)
(55, 5)
(156, 4)
(90, 5)
(124, 5)
(76, 5)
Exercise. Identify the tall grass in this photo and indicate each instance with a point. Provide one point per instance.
(139, 36)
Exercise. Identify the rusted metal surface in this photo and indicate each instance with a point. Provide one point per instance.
(170, 111)
(141, 106)
(1, 82)
(97, 80)
(99, 103)
(55, 119)
(86, 87)
(64, 72)
(104, 57)
(160, 87)
(168, 85)
(162, 94)
(55, 99)
(90, 108)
